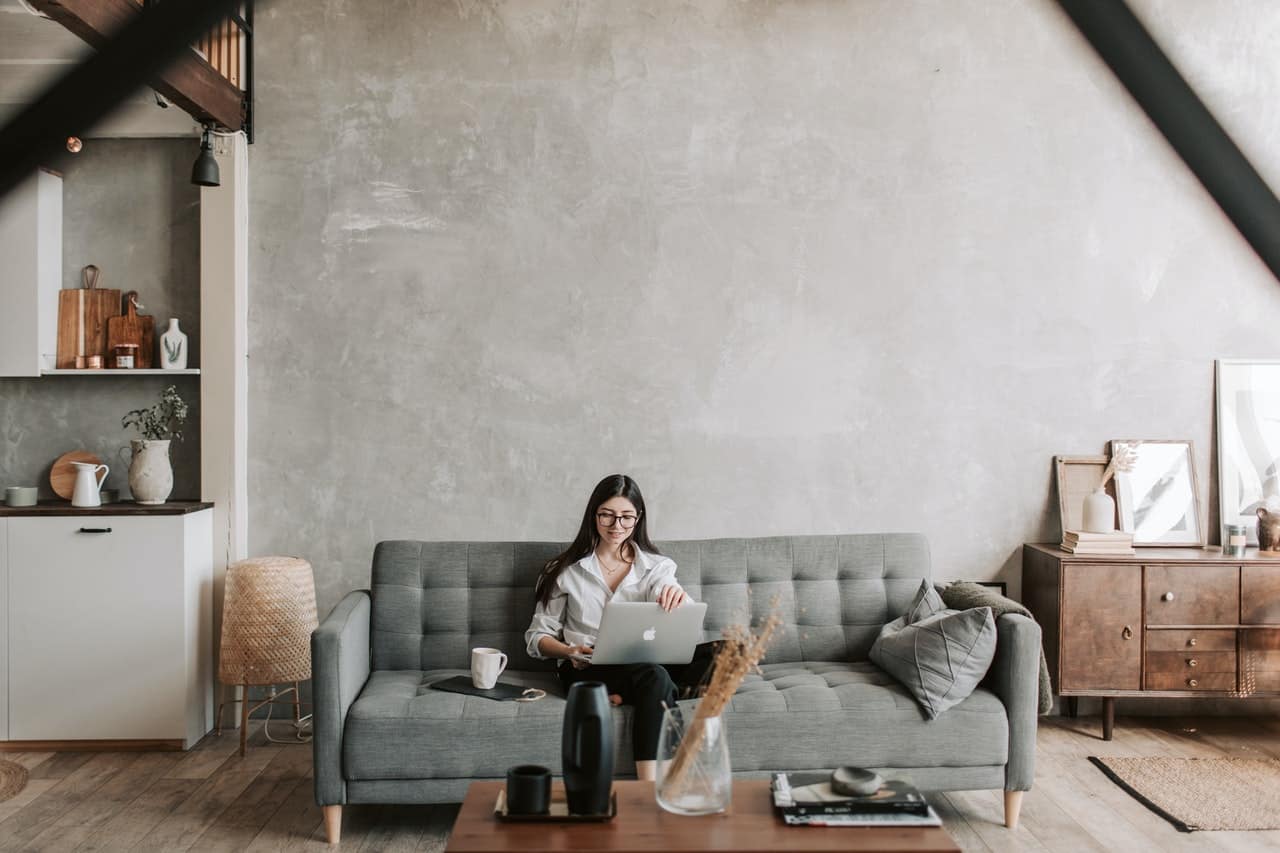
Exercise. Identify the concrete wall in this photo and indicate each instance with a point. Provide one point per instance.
(128, 207)
(799, 267)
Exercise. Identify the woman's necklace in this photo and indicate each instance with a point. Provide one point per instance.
(611, 570)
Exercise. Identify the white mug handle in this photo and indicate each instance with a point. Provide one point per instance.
(502, 666)
(105, 471)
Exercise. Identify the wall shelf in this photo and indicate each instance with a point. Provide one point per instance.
(111, 371)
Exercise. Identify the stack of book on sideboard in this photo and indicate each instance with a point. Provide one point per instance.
(1117, 542)
(806, 799)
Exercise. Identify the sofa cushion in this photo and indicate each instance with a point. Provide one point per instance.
(939, 655)
(793, 716)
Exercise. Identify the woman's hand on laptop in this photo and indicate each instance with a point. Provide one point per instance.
(671, 596)
(579, 656)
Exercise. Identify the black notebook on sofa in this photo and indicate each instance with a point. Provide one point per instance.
(462, 684)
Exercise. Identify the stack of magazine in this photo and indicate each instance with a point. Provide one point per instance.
(806, 799)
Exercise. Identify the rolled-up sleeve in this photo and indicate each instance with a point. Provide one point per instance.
(663, 574)
(548, 621)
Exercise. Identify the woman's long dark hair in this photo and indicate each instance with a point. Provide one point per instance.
(613, 486)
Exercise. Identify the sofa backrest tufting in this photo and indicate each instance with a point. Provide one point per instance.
(434, 601)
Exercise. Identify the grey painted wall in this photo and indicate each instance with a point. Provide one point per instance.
(128, 207)
(799, 267)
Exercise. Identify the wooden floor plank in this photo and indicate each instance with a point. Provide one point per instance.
(127, 828)
(984, 810)
(59, 765)
(957, 825)
(20, 800)
(23, 826)
(294, 826)
(237, 827)
(29, 760)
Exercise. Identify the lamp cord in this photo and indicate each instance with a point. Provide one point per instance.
(302, 736)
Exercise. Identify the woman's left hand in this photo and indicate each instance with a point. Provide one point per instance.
(671, 596)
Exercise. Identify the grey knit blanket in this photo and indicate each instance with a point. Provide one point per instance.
(963, 595)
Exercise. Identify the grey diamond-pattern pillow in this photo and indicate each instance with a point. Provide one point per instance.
(939, 655)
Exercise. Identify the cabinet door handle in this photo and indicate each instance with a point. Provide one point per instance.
(1127, 633)
(1192, 662)
(1168, 596)
(95, 529)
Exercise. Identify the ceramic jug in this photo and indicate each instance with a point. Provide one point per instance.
(88, 486)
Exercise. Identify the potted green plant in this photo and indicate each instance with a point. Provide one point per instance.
(150, 471)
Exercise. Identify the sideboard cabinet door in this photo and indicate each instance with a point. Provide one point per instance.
(1101, 627)
(96, 628)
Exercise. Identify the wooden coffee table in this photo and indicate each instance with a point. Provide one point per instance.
(641, 826)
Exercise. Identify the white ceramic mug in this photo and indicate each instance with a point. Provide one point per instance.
(486, 666)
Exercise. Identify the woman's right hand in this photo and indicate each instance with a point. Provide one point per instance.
(577, 662)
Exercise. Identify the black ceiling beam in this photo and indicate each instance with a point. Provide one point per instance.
(1153, 81)
(137, 54)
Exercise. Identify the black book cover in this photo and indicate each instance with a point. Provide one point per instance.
(809, 793)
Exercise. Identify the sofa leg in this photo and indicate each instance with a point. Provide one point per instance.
(333, 823)
(1012, 805)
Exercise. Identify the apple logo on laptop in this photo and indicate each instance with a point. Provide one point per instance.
(649, 634)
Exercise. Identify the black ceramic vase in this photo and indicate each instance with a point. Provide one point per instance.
(586, 748)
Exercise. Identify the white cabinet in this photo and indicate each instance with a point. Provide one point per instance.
(109, 627)
(30, 274)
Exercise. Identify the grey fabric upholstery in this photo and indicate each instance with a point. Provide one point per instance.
(818, 703)
(794, 716)
(1014, 677)
(339, 670)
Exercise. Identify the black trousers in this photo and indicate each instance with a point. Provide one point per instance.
(647, 687)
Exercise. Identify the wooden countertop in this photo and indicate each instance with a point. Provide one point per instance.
(1148, 556)
(56, 508)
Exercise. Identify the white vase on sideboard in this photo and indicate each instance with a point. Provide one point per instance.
(150, 472)
(173, 347)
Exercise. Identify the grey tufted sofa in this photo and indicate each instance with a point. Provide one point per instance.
(382, 736)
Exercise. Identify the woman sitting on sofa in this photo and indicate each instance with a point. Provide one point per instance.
(611, 558)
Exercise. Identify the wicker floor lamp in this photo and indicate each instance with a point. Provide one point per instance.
(268, 614)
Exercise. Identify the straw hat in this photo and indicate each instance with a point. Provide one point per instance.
(268, 614)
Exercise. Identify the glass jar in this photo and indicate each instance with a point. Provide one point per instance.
(693, 774)
(1235, 540)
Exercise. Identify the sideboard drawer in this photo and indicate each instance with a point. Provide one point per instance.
(1190, 663)
(1260, 666)
(1215, 681)
(1192, 595)
(1200, 641)
(1260, 595)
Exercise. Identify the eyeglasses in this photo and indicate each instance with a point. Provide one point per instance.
(608, 519)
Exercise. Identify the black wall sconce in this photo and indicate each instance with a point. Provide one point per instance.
(204, 172)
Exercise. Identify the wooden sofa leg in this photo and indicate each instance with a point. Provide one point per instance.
(1012, 805)
(333, 823)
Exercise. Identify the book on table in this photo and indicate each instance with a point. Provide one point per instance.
(809, 795)
(872, 819)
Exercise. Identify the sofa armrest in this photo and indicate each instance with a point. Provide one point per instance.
(339, 670)
(1015, 678)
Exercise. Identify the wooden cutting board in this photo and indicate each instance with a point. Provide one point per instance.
(83, 315)
(133, 328)
(62, 477)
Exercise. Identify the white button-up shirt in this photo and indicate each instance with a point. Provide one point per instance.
(573, 613)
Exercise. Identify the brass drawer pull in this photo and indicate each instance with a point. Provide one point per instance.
(1192, 662)
(1127, 633)
(1191, 642)
(1191, 682)
(1168, 596)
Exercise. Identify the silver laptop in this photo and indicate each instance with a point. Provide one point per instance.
(642, 632)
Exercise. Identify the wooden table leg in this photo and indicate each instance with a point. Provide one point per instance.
(244, 718)
(1108, 717)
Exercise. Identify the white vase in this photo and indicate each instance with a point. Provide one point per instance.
(1099, 515)
(173, 347)
(150, 473)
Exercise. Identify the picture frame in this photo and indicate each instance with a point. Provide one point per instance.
(1076, 477)
(1248, 425)
(1158, 498)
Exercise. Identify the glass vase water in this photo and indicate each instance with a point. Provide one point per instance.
(693, 772)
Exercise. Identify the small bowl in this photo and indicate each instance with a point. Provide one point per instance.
(20, 496)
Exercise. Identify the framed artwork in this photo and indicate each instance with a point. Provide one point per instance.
(1076, 477)
(1158, 497)
(1248, 440)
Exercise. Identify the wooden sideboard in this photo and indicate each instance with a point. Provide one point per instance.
(1165, 622)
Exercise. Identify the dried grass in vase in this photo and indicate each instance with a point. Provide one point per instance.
(740, 652)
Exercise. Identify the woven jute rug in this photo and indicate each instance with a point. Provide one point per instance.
(1202, 793)
(13, 778)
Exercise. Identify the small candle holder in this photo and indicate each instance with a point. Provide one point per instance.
(126, 356)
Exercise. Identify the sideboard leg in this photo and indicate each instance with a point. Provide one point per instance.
(1108, 717)
(1012, 805)
(333, 823)
(1073, 706)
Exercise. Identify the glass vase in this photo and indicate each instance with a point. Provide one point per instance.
(693, 774)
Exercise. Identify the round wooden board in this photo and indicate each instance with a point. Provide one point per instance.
(62, 477)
